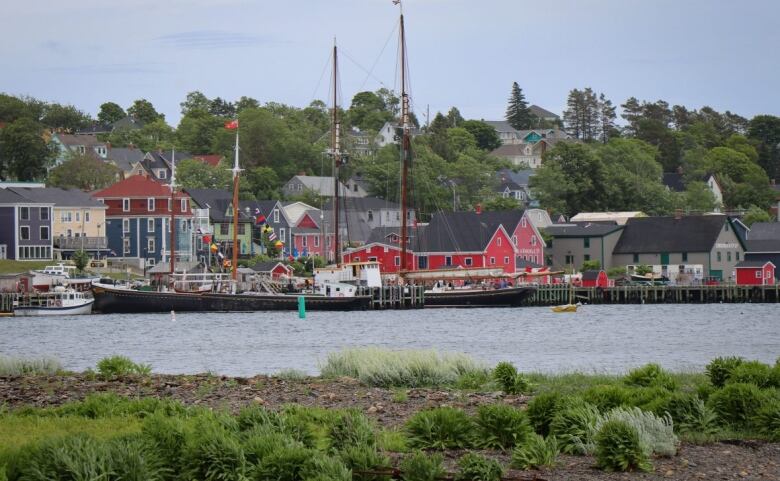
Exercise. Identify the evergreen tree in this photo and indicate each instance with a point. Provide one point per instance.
(607, 129)
(518, 114)
(632, 113)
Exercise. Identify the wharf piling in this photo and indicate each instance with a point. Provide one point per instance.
(395, 297)
(7, 302)
(552, 295)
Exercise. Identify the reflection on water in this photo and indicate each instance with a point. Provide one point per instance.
(597, 338)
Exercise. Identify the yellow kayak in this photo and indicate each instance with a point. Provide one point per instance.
(565, 308)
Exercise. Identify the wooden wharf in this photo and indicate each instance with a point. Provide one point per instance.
(395, 297)
(553, 295)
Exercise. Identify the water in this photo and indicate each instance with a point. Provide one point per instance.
(608, 339)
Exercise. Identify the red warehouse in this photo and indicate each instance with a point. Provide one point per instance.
(595, 279)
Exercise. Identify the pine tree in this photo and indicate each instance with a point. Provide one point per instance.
(518, 114)
(632, 113)
(606, 119)
(574, 113)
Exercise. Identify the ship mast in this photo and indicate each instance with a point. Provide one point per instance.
(405, 147)
(236, 170)
(335, 133)
(173, 212)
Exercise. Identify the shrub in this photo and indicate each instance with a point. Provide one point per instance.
(720, 368)
(657, 433)
(14, 366)
(384, 368)
(421, 466)
(511, 381)
(501, 427)
(440, 428)
(322, 468)
(364, 458)
(292, 375)
(475, 467)
(167, 436)
(574, 428)
(535, 452)
(606, 397)
(736, 403)
(110, 404)
(116, 366)
(654, 398)
(262, 441)
(77, 457)
(350, 429)
(697, 418)
(211, 453)
(473, 380)
(752, 372)
(767, 420)
(133, 459)
(542, 409)
(650, 375)
(254, 416)
(619, 448)
(287, 463)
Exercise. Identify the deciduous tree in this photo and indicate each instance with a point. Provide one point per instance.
(83, 171)
(144, 111)
(24, 154)
(110, 112)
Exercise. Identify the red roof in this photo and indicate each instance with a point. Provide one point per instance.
(211, 159)
(136, 186)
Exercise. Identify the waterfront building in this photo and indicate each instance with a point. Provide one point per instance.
(755, 273)
(763, 243)
(138, 221)
(25, 227)
(574, 243)
(595, 278)
(219, 204)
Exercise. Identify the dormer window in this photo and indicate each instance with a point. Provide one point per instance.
(184, 205)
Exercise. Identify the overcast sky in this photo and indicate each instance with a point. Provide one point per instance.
(464, 53)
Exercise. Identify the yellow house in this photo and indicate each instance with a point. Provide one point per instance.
(78, 220)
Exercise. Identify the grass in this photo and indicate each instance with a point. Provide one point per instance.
(17, 366)
(8, 266)
(411, 368)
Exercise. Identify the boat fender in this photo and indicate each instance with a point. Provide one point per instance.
(58, 303)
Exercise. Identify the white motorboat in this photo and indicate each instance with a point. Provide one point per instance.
(59, 302)
(61, 275)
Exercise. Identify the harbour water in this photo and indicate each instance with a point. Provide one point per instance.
(606, 338)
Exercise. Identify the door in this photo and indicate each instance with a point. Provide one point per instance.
(3, 249)
(422, 262)
(664, 258)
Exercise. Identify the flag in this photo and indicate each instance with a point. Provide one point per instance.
(259, 218)
(396, 2)
(207, 239)
(231, 125)
(272, 235)
(295, 252)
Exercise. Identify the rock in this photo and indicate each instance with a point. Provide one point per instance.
(743, 474)
(259, 400)
(372, 410)
(669, 473)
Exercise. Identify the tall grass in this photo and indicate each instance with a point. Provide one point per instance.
(17, 366)
(412, 368)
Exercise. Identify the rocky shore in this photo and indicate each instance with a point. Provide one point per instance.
(738, 459)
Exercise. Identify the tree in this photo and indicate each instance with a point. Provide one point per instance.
(765, 130)
(195, 100)
(454, 119)
(756, 214)
(144, 111)
(498, 203)
(11, 108)
(518, 114)
(246, 103)
(698, 197)
(368, 111)
(263, 182)
(584, 116)
(197, 131)
(222, 108)
(81, 259)
(591, 265)
(24, 154)
(632, 112)
(196, 174)
(607, 129)
(110, 112)
(66, 117)
(744, 182)
(84, 172)
(485, 135)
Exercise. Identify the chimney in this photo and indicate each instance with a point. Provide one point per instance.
(678, 213)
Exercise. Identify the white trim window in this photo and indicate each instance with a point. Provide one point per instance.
(125, 246)
(506, 260)
(44, 232)
(24, 232)
(150, 245)
(184, 205)
(758, 274)
(305, 240)
(282, 235)
(498, 241)
(492, 261)
(44, 213)
(150, 225)
(150, 204)
(66, 216)
(86, 216)
(24, 213)
(447, 260)
(125, 226)
(78, 216)
(276, 215)
(468, 261)
(397, 260)
(514, 239)
(125, 205)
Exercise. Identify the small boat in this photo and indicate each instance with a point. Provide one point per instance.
(565, 308)
(60, 302)
(61, 275)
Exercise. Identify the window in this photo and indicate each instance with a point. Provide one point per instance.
(505, 194)
(468, 261)
(281, 234)
(150, 245)
(223, 229)
(370, 215)
(524, 222)
(125, 226)
(636, 258)
(44, 214)
(24, 232)
(78, 216)
(276, 215)
(241, 229)
(397, 260)
(685, 257)
(316, 241)
(720, 257)
(506, 260)
(184, 205)
(69, 233)
(125, 205)
(492, 261)
(170, 205)
(587, 257)
(533, 240)
(65, 216)
(150, 204)
(150, 225)
(24, 213)
(586, 242)
(86, 216)
(569, 260)
(305, 241)
(728, 256)
(398, 215)
(372, 259)
(44, 232)
(737, 254)
(758, 274)
(514, 239)
(447, 260)
(126, 246)
(498, 242)
(161, 173)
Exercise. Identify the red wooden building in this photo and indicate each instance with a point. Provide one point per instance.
(274, 269)
(308, 238)
(755, 273)
(595, 279)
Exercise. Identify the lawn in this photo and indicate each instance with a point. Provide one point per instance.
(16, 267)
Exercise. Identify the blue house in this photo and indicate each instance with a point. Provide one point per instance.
(25, 228)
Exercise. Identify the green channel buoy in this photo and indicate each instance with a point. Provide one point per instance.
(301, 307)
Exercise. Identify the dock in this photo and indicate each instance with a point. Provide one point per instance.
(395, 297)
(553, 295)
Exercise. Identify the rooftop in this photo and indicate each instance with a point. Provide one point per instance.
(670, 234)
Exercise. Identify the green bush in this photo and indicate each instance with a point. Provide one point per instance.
(287, 463)
(168, 436)
(475, 467)
(13, 366)
(574, 427)
(254, 416)
(352, 428)
(720, 368)
(656, 433)
(619, 448)
(323, 468)
(364, 458)
(133, 459)
(473, 380)
(501, 427)
(110, 404)
(737, 403)
(421, 466)
(535, 452)
(752, 372)
(511, 381)
(542, 409)
(650, 375)
(116, 366)
(211, 453)
(653, 398)
(767, 420)
(606, 397)
(74, 457)
(698, 418)
(262, 441)
(440, 428)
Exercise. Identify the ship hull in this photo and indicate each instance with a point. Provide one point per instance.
(108, 300)
(506, 297)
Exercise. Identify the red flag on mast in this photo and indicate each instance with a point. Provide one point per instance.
(231, 125)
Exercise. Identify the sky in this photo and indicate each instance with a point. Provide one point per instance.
(463, 53)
